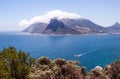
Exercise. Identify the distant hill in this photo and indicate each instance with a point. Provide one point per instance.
(115, 28)
(71, 26)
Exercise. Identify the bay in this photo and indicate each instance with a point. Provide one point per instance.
(89, 50)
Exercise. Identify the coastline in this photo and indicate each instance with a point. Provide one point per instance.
(27, 33)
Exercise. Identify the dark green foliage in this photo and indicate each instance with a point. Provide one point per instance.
(14, 64)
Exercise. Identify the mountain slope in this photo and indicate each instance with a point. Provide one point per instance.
(36, 28)
(83, 25)
(57, 27)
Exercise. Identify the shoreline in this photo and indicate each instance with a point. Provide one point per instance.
(27, 33)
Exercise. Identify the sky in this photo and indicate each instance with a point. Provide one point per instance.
(12, 12)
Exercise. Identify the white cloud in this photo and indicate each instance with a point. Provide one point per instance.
(49, 15)
(24, 23)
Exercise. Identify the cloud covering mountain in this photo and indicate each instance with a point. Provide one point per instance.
(61, 22)
(58, 14)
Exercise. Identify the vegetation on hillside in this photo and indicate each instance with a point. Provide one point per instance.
(45, 68)
(19, 65)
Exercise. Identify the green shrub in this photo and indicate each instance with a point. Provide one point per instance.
(14, 64)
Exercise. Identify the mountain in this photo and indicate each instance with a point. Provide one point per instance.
(36, 28)
(115, 28)
(57, 27)
(71, 26)
(83, 25)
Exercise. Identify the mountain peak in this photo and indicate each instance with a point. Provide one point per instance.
(115, 27)
(117, 23)
(54, 25)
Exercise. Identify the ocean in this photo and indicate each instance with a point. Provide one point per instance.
(89, 50)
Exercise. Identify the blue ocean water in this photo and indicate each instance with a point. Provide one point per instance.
(90, 50)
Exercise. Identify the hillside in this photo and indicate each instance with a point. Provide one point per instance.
(45, 68)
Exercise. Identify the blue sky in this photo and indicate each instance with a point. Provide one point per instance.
(102, 12)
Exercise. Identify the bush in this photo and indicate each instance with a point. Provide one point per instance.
(44, 61)
(45, 68)
(60, 62)
(14, 64)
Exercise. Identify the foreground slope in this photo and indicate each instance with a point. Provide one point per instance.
(44, 68)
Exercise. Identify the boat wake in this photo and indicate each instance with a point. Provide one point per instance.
(90, 51)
